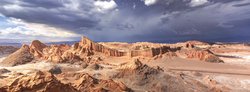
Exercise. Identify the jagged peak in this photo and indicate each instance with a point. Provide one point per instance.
(25, 46)
(197, 42)
(134, 64)
(37, 44)
(86, 39)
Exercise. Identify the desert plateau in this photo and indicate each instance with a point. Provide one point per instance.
(88, 66)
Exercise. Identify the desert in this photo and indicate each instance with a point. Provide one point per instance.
(124, 46)
(89, 66)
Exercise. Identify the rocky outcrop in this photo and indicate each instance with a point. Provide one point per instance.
(55, 53)
(47, 82)
(21, 56)
(36, 48)
(77, 52)
(144, 78)
(189, 45)
(194, 42)
(151, 51)
(3, 71)
(214, 85)
(86, 83)
(136, 67)
(88, 47)
(204, 55)
(38, 82)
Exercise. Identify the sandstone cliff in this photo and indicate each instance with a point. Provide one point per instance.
(36, 48)
(203, 55)
(86, 49)
(146, 51)
(89, 47)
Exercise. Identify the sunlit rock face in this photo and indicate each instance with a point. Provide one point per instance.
(86, 49)
(39, 81)
(89, 47)
(88, 66)
(19, 57)
(36, 48)
(203, 55)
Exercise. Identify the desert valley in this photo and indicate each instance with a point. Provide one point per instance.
(89, 66)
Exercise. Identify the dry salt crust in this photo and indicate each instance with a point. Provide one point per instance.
(242, 58)
(233, 82)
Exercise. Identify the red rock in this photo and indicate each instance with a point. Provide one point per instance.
(36, 48)
(87, 83)
(152, 51)
(55, 52)
(39, 82)
(204, 55)
(88, 47)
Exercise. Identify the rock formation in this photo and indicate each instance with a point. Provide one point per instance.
(89, 47)
(87, 66)
(151, 51)
(86, 49)
(141, 76)
(55, 53)
(21, 56)
(136, 67)
(204, 55)
(86, 83)
(38, 82)
(36, 48)
(3, 71)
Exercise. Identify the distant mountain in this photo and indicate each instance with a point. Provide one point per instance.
(11, 44)
(62, 42)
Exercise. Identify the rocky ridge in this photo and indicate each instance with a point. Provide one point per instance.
(21, 56)
(86, 50)
(47, 82)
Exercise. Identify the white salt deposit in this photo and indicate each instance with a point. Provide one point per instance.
(237, 58)
(234, 83)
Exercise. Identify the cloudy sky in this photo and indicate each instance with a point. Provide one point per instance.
(125, 20)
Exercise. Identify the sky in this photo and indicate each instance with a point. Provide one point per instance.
(125, 20)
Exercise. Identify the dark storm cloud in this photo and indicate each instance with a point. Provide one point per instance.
(42, 3)
(51, 12)
(132, 20)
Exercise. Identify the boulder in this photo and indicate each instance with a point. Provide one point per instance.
(55, 70)
(94, 67)
(3, 71)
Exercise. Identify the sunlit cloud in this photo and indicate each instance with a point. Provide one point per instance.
(194, 3)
